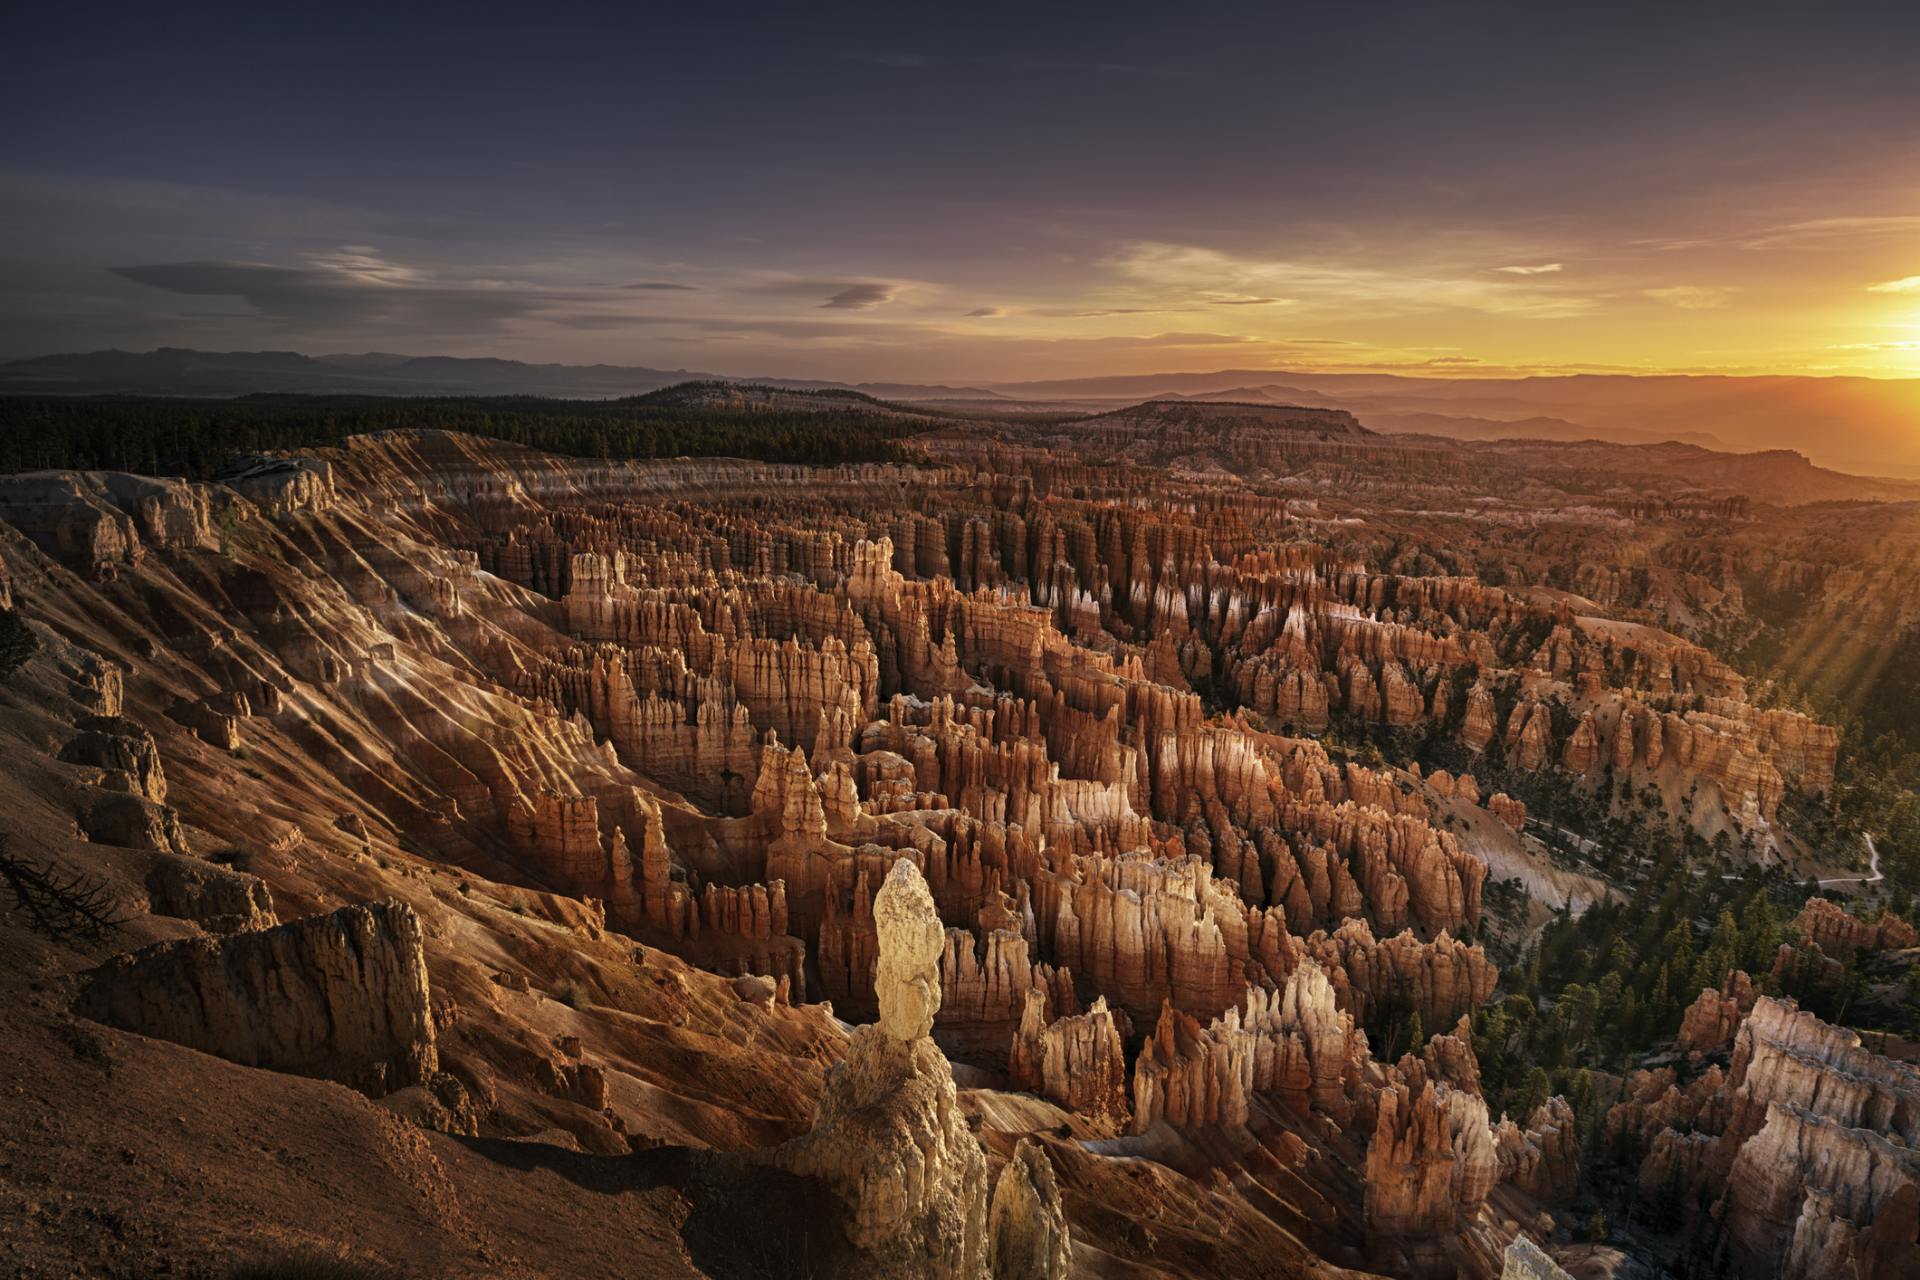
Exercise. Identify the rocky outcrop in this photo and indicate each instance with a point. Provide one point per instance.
(1509, 810)
(1076, 1061)
(722, 703)
(1653, 1101)
(1840, 935)
(1431, 1161)
(1026, 1230)
(889, 1136)
(341, 996)
(1787, 1055)
(129, 820)
(1525, 1260)
(1804, 1192)
(1543, 1159)
(1482, 721)
(1801, 1142)
(1711, 1020)
(1440, 980)
(215, 898)
(1293, 1044)
(102, 520)
(124, 750)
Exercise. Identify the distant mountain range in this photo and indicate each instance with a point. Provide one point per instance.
(1862, 425)
(177, 371)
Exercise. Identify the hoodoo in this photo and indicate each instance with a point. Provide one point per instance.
(890, 1137)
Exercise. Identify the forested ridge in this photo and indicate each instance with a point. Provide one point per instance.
(193, 438)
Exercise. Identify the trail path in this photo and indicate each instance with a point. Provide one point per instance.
(1873, 866)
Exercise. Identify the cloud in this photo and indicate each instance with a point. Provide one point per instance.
(1544, 269)
(1179, 339)
(353, 287)
(1337, 286)
(1691, 297)
(1244, 300)
(858, 297)
(1817, 231)
(661, 285)
(1906, 284)
(600, 321)
(987, 313)
(1096, 313)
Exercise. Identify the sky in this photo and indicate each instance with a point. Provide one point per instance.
(967, 193)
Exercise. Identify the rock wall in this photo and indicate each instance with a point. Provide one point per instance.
(340, 996)
(1802, 1141)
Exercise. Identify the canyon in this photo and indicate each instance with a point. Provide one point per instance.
(1084, 849)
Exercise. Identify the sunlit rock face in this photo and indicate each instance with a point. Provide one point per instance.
(890, 1138)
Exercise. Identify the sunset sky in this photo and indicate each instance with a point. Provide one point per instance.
(978, 193)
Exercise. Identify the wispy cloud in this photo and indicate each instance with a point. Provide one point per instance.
(987, 313)
(1336, 285)
(1820, 231)
(1691, 297)
(1906, 284)
(354, 286)
(662, 286)
(1544, 269)
(1098, 313)
(858, 297)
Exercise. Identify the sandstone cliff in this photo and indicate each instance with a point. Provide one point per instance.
(342, 996)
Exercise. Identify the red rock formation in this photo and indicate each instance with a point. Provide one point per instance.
(1839, 935)
(1714, 1016)
(1482, 720)
(1440, 980)
(1529, 736)
(1292, 1044)
(1542, 1159)
(719, 702)
(1653, 1101)
(1431, 1162)
(1508, 810)
(1582, 752)
(1075, 1061)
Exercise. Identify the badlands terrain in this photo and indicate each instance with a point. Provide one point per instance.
(1186, 839)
